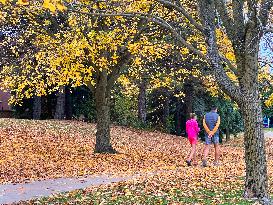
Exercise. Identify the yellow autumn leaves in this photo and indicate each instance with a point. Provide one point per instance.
(52, 5)
(266, 77)
(58, 5)
(72, 56)
(23, 2)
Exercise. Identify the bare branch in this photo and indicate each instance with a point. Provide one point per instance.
(266, 6)
(238, 17)
(229, 64)
(269, 30)
(208, 15)
(227, 21)
(121, 65)
(183, 12)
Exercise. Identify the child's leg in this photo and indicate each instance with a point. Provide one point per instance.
(192, 153)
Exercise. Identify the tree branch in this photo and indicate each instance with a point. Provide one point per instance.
(266, 6)
(229, 64)
(155, 19)
(183, 12)
(252, 11)
(208, 15)
(122, 63)
(269, 30)
(216, 68)
(227, 21)
(238, 16)
(126, 55)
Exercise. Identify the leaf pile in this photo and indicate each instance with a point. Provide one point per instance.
(47, 149)
(32, 150)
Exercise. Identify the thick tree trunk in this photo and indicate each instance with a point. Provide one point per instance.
(60, 105)
(142, 111)
(37, 108)
(246, 48)
(102, 95)
(256, 182)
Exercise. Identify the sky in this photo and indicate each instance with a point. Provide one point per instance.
(266, 49)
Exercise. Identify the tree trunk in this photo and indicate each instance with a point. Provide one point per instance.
(102, 97)
(37, 108)
(227, 134)
(188, 102)
(68, 104)
(189, 95)
(166, 106)
(256, 182)
(246, 47)
(178, 114)
(60, 105)
(142, 111)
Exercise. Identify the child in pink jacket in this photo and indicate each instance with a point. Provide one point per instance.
(192, 131)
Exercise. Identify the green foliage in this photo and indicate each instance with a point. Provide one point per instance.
(267, 111)
(83, 104)
(170, 124)
(230, 115)
(159, 108)
(124, 110)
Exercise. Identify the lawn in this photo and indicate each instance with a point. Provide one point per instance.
(32, 150)
(121, 194)
(268, 129)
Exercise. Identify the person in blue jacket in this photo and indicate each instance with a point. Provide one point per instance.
(211, 123)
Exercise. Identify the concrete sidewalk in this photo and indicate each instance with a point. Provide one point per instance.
(12, 193)
(268, 134)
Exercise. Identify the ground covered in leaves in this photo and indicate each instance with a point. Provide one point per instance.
(32, 150)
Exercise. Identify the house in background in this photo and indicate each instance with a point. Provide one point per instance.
(5, 108)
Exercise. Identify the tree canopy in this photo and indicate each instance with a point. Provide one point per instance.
(92, 43)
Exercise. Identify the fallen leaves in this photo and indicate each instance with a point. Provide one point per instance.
(32, 150)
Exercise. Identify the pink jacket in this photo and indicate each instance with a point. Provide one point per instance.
(192, 128)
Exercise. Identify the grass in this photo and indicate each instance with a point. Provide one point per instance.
(268, 129)
(123, 196)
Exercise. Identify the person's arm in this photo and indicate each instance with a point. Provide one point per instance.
(205, 126)
(216, 126)
(197, 128)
